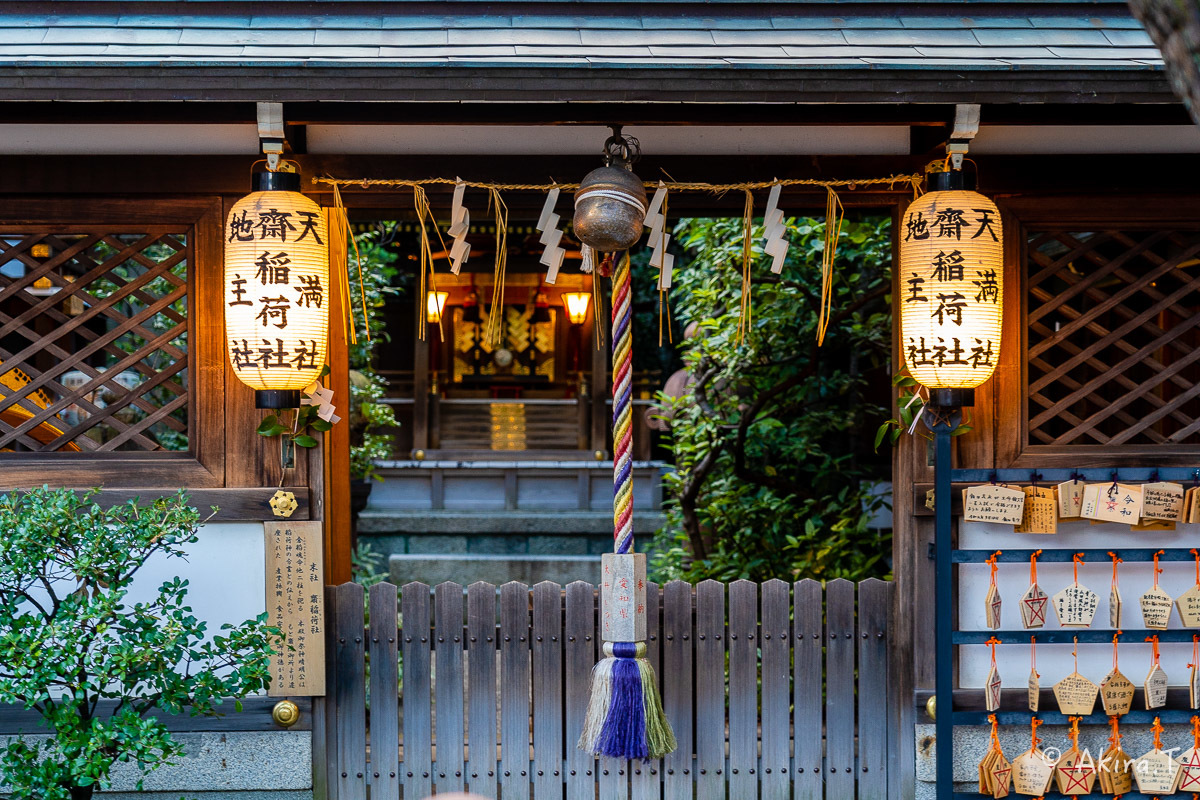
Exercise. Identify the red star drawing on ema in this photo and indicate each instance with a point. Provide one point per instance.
(1037, 609)
(1077, 778)
(1190, 780)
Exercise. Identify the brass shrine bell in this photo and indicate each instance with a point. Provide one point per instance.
(610, 203)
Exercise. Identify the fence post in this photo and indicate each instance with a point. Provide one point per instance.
(448, 661)
(676, 681)
(776, 663)
(807, 691)
(481, 675)
(385, 692)
(839, 689)
(547, 690)
(743, 689)
(874, 599)
(710, 690)
(351, 694)
(514, 692)
(418, 751)
(647, 778)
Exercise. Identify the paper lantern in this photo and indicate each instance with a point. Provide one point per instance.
(951, 295)
(577, 306)
(435, 304)
(276, 284)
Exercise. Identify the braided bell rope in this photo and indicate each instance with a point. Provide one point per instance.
(622, 363)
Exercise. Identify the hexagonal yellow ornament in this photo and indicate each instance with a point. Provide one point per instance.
(284, 504)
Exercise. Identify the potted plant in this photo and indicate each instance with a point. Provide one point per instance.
(95, 666)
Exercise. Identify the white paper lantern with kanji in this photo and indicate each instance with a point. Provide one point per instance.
(276, 290)
(951, 296)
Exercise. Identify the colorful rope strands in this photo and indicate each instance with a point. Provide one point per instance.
(625, 717)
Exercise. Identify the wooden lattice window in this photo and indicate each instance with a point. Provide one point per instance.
(94, 338)
(1112, 337)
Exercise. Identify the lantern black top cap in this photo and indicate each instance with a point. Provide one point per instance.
(275, 181)
(950, 181)
(620, 150)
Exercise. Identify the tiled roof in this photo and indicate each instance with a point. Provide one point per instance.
(743, 35)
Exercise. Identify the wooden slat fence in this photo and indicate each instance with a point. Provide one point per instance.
(775, 690)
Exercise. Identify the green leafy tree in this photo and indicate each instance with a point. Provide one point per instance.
(773, 440)
(94, 665)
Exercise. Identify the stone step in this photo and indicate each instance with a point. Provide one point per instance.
(498, 569)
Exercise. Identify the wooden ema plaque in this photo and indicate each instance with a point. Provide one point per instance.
(1075, 606)
(991, 689)
(1115, 776)
(1114, 607)
(1075, 772)
(1116, 694)
(995, 774)
(1189, 770)
(623, 597)
(1076, 695)
(1069, 499)
(1032, 773)
(1188, 604)
(1155, 688)
(1191, 505)
(1033, 607)
(1156, 608)
(1162, 501)
(992, 604)
(1156, 772)
(1194, 686)
(1105, 502)
(1152, 525)
(296, 605)
(1040, 513)
(1034, 689)
(993, 503)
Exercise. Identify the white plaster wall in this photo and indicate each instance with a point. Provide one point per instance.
(225, 571)
(1054, 660)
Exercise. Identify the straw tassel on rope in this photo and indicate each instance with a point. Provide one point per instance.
(625, 717)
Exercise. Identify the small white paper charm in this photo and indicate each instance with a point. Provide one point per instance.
(317, 395)
(587, 259)
(552, 256)
(774, 244)
(460, 223)
(656, 223)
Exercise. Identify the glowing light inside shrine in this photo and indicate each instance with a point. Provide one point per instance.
(276, 284)
(435, 305)
(951, 297)
(577, 306)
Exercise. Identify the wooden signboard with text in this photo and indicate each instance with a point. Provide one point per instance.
(296, 605)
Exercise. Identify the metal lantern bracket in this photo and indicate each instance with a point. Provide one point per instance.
(948, 557)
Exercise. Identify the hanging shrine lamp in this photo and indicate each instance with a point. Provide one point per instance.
(541, 308)
(577, 306)
(951, 288)
(276, 279)
(610, 203)
(435, 306)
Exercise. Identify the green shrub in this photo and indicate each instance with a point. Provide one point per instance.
(69, 640)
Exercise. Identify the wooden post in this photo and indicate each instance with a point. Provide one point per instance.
(336, 442)
(600, 389)
(420, 383)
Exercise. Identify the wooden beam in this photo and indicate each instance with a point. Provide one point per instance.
(233, 505)
(254, 716)
(291, 82)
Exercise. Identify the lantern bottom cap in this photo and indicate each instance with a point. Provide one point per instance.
(952, 398)
(277, 398)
